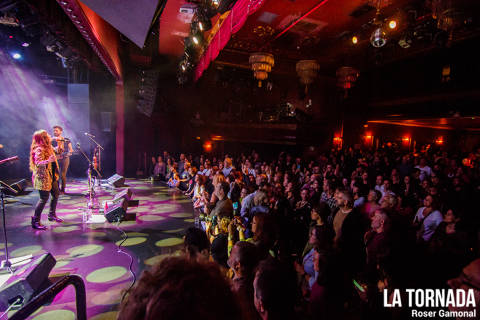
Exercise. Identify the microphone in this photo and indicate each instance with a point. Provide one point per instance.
(89, 135)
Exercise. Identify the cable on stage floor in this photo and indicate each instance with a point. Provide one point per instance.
(119, 250)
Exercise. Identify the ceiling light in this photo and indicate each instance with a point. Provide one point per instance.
(16, 55)
(183, 67)
(25, 44)
(69, 9)
(77, 21)
(200, 25)
(74, 16)
(195, 40)
(392, 24)
(354, 40)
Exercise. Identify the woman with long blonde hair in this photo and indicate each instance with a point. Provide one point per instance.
(44, 167)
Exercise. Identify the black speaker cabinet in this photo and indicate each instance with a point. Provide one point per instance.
(116, 180)
(26, 280)
(126, 194)
(117, 211)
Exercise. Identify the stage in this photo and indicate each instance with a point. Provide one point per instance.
(90, 250)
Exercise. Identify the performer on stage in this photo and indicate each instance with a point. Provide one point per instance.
(64, 150)
(44, 167)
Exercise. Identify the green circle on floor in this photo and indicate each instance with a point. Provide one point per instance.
(2, 245)
(149, 217)
(57, 315)
(12, 312)
(106, 274)
(111, 315)
(65, 229)
(137, 234)
(179, 230)
(180, 215)
(26, 251)
(86, 250)
(61, 263)
(125, 224)
(95, 234)
(72, 216)
(169, 242)
(131, 241)
(155, 259)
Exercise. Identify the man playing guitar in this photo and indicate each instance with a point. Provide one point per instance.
(64, 152)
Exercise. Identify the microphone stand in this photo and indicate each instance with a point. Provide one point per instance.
(100, 148)
(91, 184)
(6, 264)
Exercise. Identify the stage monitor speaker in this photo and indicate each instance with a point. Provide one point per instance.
(26, 280)
(117, 211)
(20, 186)
(116, 180)
(126, 194)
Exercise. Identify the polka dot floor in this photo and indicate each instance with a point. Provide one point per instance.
(90, 249)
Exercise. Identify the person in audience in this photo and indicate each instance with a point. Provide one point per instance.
(242, 261)
(223, 207)
(449, 246)
(358, 197)
(275, 290)
(427, 218)
(379, 184)
(425, 170)
(372, 203)
(271, 217)
(181, 289)
(151, 167)
(227, 167)
(468, 279)
(196, 244)
(306, 269)
(160, 170)
(349, 229)
(328, 194)
(181, 163)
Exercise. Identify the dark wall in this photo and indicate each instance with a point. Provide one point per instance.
(102, 119)
(226, 96)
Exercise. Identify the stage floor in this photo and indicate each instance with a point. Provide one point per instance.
(90, 250)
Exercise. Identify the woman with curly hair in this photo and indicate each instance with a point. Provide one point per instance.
(44, 167)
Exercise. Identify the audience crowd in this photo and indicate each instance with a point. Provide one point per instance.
(287, 238)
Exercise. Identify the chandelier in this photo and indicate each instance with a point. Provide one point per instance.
(261, 64)
(307, 71)
(346, 78)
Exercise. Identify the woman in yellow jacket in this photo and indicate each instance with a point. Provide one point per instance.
(44, 167)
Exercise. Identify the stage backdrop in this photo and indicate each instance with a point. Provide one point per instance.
(29, 103)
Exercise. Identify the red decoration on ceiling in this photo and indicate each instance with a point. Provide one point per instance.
(102, 37)
(232, 24)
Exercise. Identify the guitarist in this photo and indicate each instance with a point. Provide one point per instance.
(64, 151)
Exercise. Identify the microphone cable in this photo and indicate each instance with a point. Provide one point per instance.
(119, 250)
